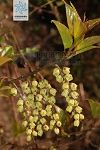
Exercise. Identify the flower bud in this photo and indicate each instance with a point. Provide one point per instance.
(59, 79)
(67, 98)
(76, 116)
(71, 102)
(65, 93)
(32, 125)
(14, 91)
(68, 77)
(73, 86)
(38, 105)
(20, 102)
(78, 109)
(24, 124)
(52, 100)
(81, 116)
(27, 103)
(43, 92)
(39, 97)
(56, 130)
(28, 131)
(24, 85)
(48, 86)
(52, 148)
(31, 118)
(56, 116)
(39, 127)
(66, 70)
(52, 122)
(48, 107)
(20, 108)
(40, 132)
(34, 83)
(43, 113)
(45, 82)
(76, 123)
(34, 133)
(27, 90)
(59, 124)
(35, 112)
(49, 113)
(41, 85)
(45, 127)
(35, 118)
(34, 90)
(69, 109)
(56, 72)
(28, 113)
(76, 102)
(65, 85)
(30, 97)
(53, 91)
(74, 95)
(43, 120)
(29, 138)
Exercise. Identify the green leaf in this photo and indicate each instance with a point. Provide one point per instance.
(86, 49)
(64, 33)
(90, 24)
(8, 51)
(95, 108)
(75, 24)
(4, 60)
(88, 42)
(81, 51)
(70, 18)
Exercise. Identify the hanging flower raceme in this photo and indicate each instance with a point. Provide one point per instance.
(69, 92)
(37, 104)
(38, 108)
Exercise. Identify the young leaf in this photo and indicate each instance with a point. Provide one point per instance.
(86, 49)
(70, 18)
(92, 23)
(64, 33)
(88, 42)
(81, 51)
(4, 60)
(79, 29)
(95, 108)
(75, 24)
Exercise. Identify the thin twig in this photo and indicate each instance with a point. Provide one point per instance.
(18, 48)
(32, 73)
(42, 6)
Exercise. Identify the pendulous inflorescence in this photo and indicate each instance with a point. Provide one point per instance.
(38, 108)
(38, 104)
(69, 92)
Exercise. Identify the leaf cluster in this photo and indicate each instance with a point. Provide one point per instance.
(73, 36)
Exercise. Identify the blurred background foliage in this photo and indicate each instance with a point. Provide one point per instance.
(38, 34)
